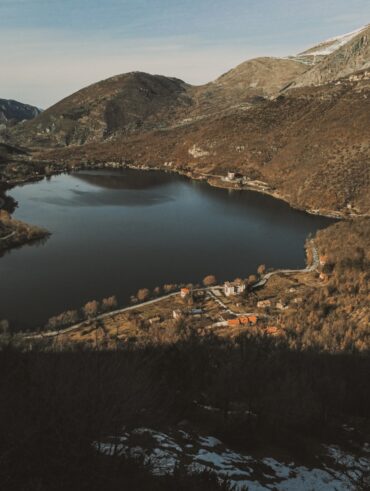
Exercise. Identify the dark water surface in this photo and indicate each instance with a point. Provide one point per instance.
(114, 232)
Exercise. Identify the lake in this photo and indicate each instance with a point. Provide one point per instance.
(115, 231)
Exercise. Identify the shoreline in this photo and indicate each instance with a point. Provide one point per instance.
(260, 283)
(213, 180)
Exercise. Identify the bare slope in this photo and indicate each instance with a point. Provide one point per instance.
(119, 105)
(338, 58)
(137, 102)
(247, 83)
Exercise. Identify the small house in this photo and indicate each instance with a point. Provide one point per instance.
(177, 314)
(196, 312)
(298, 300)
(184, 292)
(323, 260)
(272, 330)
(230, 176)
(262, 304)
(154, 320)
(233, 323)
(323, 277)
(281, 305)
(250, 320)
(234, 288)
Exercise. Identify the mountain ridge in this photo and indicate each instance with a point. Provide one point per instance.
(267, 118)
(12, 111)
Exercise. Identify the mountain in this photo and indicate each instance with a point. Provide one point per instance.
(300, 126)
(137, 102)
(125, 103)
(14, 111)
(336, 58)
(246, 84)
(310, 146)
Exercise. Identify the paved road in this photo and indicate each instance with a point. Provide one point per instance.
(263, 281)
(8, 236)
(50, 334)
(308, 269)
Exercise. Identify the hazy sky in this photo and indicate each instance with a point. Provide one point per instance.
(50, 48)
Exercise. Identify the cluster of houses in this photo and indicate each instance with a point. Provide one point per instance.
(250, 320)
(230, 288)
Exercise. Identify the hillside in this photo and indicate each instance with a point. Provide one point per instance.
(122, 104)
(246, 84)
(299, 126)
(316, 53)
(137, 102)
(310, 145)
(337, 58)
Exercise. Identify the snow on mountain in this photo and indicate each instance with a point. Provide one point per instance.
(330, 45)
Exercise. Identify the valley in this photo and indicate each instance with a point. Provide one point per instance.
(190, 307)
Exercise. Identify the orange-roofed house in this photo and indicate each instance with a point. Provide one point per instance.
(273, 331)
(323, 260)
(248, 320)
(184, 292)
(233, 322)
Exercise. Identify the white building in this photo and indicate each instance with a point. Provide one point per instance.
(233, 288)
(177, 314)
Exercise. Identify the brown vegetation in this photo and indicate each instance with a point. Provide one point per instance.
(143, 294)
(335, 315)
(209, 280)
(14, 232)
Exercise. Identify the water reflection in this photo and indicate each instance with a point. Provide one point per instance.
(114, 232)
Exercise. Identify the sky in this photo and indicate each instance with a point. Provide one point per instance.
(51, 48)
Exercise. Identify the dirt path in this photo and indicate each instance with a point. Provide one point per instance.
(308, 269)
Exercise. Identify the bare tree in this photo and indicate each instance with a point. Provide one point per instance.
(209, 280)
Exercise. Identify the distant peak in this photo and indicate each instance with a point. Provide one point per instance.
(330, 45)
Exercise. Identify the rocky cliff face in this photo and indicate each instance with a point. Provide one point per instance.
(337, 58)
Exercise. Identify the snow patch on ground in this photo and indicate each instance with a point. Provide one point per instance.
(339, 471)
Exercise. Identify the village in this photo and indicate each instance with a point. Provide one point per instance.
(254, 305)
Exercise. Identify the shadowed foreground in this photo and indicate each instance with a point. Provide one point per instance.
(55, 405)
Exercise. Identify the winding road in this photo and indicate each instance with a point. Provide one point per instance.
(307, 269)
